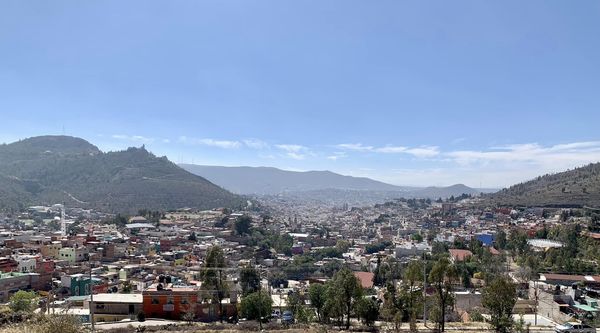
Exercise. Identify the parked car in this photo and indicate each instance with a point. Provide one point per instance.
(574, 328)
(287, 317)
(275, 314)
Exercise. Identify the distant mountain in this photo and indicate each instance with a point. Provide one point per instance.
(56, 169)
(320, 184)
(447, 191)
(578, 187)
(266, 180)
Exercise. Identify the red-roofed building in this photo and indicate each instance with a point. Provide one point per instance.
(366, 279)
(460, 255)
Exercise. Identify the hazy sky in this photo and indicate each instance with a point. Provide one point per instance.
(410, 92)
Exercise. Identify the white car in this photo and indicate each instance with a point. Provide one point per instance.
(574, 328)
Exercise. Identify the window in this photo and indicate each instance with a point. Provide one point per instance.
(184, 301)
(155, 300)
(170, 300)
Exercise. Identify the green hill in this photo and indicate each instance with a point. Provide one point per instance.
(54, 169)
(578, 187)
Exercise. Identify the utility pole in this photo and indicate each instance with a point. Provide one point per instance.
(424, 290)
(536, 301)
(92, 299)
(260, 303)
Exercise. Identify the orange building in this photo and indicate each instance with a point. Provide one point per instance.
(176, 302)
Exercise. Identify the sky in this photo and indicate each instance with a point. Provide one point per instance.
(485, 93)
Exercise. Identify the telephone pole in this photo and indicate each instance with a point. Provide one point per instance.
(91, 299)
(424, 290)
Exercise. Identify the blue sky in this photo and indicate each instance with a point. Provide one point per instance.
(409, 92)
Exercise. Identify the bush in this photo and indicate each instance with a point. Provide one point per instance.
(141, 316)
(48, 324)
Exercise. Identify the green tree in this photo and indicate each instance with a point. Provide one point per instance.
(249, 280)
(368, 310)
(316, 294)
(442, 274)
(499, 298)
(256, 306)
(501, 240)
(214, 278)
(393, 306)
(346, 290)
(242, 225)
(23, 301)
(413, 276)
(127, 287)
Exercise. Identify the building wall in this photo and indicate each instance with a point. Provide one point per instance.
(10, 283)
(168, 305)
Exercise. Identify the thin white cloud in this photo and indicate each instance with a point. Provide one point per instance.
(133, 138)
(296, 152)
(354, 146)
(575, 153)
(391, 149)
(291, 148)
(225, 144)
(421, 152)
(255, 144)
(424, 152)
(295, 156)
(337, 155)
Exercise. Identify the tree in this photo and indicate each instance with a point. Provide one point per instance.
(441, 277)
(214, 283)
(499, 298)
(413, 276)
(242, 225)
(316, 294)
(256, 306)
(127, 287)
(392, 306)
(501, 240)
(249, 280)
(368, 310)
(346, 290)
(23, 301)
(295, 303)
(192, 237)
(141, 316)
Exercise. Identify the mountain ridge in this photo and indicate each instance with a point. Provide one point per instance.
(272, 181)
(53, 169)
(577, 187)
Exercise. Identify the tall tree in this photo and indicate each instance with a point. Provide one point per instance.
(317, 293)
(242, 225)
(256, 306)
(347, 291)
(499, 298)
(249, 280)
(413, 276)
(442, 275)
(214, 277)
(368, 310)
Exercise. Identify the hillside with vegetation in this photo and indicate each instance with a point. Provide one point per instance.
(572, 188)
(57, 169)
